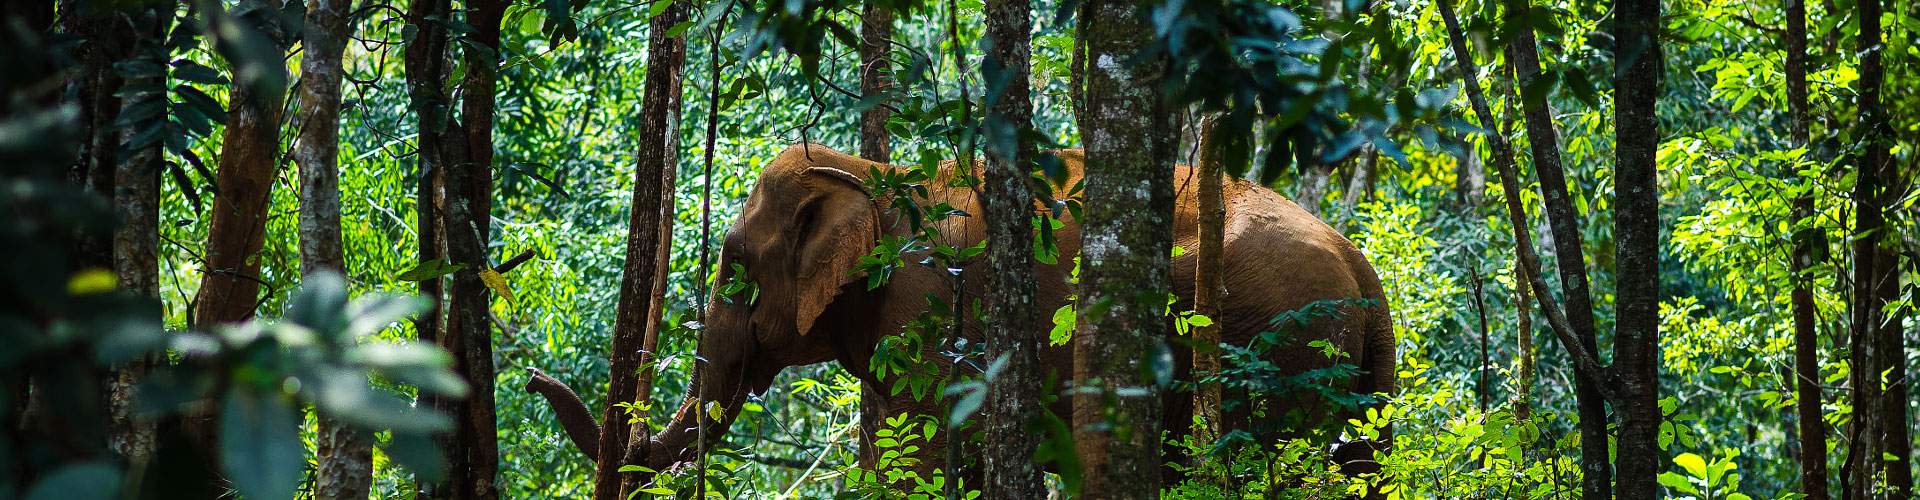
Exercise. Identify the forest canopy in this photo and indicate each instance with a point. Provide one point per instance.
(958, 249)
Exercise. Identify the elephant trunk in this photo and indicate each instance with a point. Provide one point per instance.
(725, 376)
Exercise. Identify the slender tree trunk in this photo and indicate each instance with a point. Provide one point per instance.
(876, 43)
(1125, 276)
(1210, 290)
(1586, 363)
(672, 64)
(469, 200)
(1014, 331)
(427, 67)
(345, 454)
(1522, 296)
(1865, 454)
(1882, 361)
(1899, 428)
(635, 329)
(1569, 248)
(1209, 287)
(1636, 191)
(1312, 188)
(1806, 339)
(136, 242)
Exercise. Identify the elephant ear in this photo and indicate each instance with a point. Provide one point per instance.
(835, 227)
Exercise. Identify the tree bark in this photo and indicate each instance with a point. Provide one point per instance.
(1569, 249)
(1014, 332)
(1806, 339)
(1584, 360)
(1522, 295)
(427, 67)
(1636, 228)
(469, 200)
(136, 243)
(97, 85)
(249, 149)
(345, 453)
(635, 330)
(1209, 287)
(876, 43)
(1878, 349)
(1864, 455)
(1125, 275)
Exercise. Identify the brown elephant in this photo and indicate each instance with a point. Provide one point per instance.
(811, 217)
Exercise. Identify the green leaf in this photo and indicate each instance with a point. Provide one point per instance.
(1063, 325)
(95, 480)
(260, 446)
(429, 270)
(186, 69)
(1677, 482)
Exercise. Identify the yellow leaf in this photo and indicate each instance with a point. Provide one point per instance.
(92, 281)
(497, 282)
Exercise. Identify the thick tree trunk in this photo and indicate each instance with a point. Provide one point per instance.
(427, 67)
(1125, 275)
(1806, 339)
(97, 84)
(1569, 249)
(1014, 331)
(1636, 191)
(345, 453)
(635, 330)
(249, 152)
(136, 243)
(876, 43)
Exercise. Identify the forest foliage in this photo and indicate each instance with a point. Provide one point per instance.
(1769, 197)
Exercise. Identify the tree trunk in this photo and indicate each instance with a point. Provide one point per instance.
(136, 243)
(1125, 276)
(97, 83)
(469, 201)
(427, 67)
(1569, 249)
(345, 454)
(249, 152)
(1586, 364)
(876, 42)
(1522, 295)
(1884, 440)
(1014, 331)
(1209, 287)
(1806, 340)
(635, 330)
(1637, 75)
(1864, 456)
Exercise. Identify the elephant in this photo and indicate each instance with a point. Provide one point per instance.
(811, 216)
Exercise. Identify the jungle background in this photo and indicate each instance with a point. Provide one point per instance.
(159, 198)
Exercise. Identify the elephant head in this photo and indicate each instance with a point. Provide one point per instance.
(807, 222)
